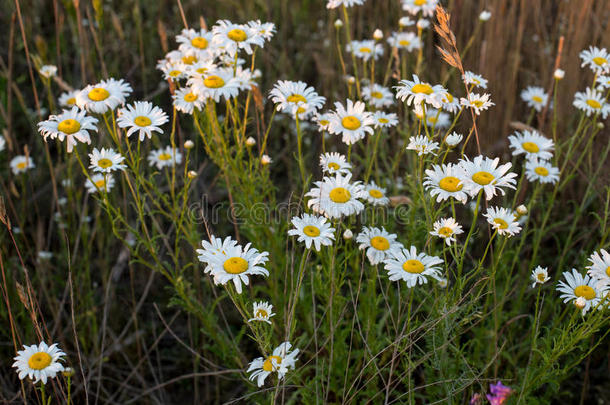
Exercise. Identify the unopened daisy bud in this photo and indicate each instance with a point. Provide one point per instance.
(453, 139)
(348, 234)
(442, 283)
(600, 125)
(191, 174)
(189, 144)
(580, 302)
(522, 210)
(338, 23)
(351, 80)
(68, 372)
(559, 74)
(377, 35)
(405, 22)
(250, 141)
(265, 160)
(485, 15)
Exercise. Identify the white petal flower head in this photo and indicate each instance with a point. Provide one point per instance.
(591, 102)
(484, 174)
(245, 79)
(542, 171)
(186, 100)
(437, 118)
(474, 79)
(265, 30)
(599, 269)
(48, 71)
(576, 286)
(540, 275)
(213, 248)
(378, 243)
(444, 182)
(477, 102)
(72, 125)
(105, 160)
(531, 144)
(236, 263)
(68, 99)
(280, 362)
(412, 267)
(503, 221)
(596, 58)
(336, 197)
(426, 7)
(164, 157)
(173, 70)
(451, 104)
(262, 312)
(485, 15)
(535, 97)
(352, 121)
(378, 96)
(416, 92)
(313, 229)
(447, 229)
(198, 41)
(39, 362)
(323, 120)
(2, 143)
(296, 98)
(422, 145)
(375, 195)
(365, 50)
(216, 84)
(104, 96)
(408, 41)
(142, 117)
(385, 120)
(603, 82)
(21, 164)
(454, 139)
(233, 37)
(99, 182)
(344, 3)
(333, 163)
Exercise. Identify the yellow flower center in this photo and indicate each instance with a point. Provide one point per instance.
(420, 2)
(235, 265)
(296, 98)
(104, 163)
(261, 313)
(339, 195)
(189, 60)
(311, 231)
(350, 122)
(422, 88)
(21, 165)
(190, 97)
(599, 61)
(608, 271)
(449, 97)
(450, 184)
(323, 122)
(237, 35)
(199, 42)
(268, 364)
(530, 147)
(540, 277)
(537, 99)
(202, 70)
(502, 223)
(100, 183)
(98, 94)
(376, 94)
(482, 178)
(175, 73)
(413, 266)
(477, 103)
(432, 119)
(68, 126)
(404, 42)
(380, 243)
(445, 231)
(365, 49)
(165, 156)
(375, 193)
(213, 82)
(383, 120)
(142, 121)
(334, 166)
(71, 101)
(40, 361)
(541, 171)
(594, 104)
(584, 291)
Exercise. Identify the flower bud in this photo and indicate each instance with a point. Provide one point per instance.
(405, 22)
(377, 35)
(338, 23)
(250, 141)
(68, 372)
(351, 80)
(265, 160)
(347, 235)
(580, 302)
(522, 210)
(559, 74)
(422, 23)
(485, 15)
(191, 174)
(189, 144)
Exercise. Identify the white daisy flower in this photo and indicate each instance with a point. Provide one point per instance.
(409, 41)
(213, 248)
(105, 161)
(576, 286)
(540, 275)
(599, 269)
(378, 96)
(335, 197)
(483, 173)
(236, 264)
(422, 23)
(412, 267)
(265, 30)
(72, 125)
(485, 15)
(262, 311)
(603, 82)
(312, 229)
(477, 102)
(385, 120)
(323, 120)
(353, 122)
(596, 58)
(183, 55)
(375, 194)
(39, 362)
(245, 79)
(215, 84)
(444, 182)
(99, 182)
(535, 97)
(185, 100)
(333, 163)
(200, 68)
(437, 118)
(21, 164)
(531, 144)
(345, 3)
(450, 104)
(474, 79)
(378, 244)
(453, 139)
(416, 92)
(503, 220)
(104, 96)
(68, 98)
(142, 117)
(48, 71)
(198, 41)
(279, 362)
(427, 7)
(233, 37)
(591, 102)
(542, 171)
(422, 145)
(174, 70)
(447, 229)
(365, 50)
(164, 157)
(296, 98)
